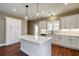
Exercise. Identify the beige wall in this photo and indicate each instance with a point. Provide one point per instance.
(24, 27)
(72, 12)
(30, 27)
(2, 30)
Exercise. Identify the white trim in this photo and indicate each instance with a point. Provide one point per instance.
(7, 44)
(2, 44)
(27, 52)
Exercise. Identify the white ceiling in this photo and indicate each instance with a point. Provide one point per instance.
(43, 8)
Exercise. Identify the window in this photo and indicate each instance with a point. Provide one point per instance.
(53, 26)
(49, 26)
(56, 25)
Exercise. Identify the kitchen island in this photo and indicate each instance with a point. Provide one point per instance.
(34, 45)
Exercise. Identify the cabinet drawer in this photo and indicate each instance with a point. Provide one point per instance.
(73, 42)
(77, 21)
(64, 41)
(77, 42)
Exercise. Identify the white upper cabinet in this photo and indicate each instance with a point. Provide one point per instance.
(42, 24)
(13, 30)
(65, 22)
(70, 22)
(42, 27)
(62, 23)
(77, 20)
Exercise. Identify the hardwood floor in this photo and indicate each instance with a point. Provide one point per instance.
(14, 50)
(61, 51)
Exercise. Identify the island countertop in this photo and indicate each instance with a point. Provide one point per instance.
(35, 38)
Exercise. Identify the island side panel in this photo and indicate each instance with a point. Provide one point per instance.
(34, 49)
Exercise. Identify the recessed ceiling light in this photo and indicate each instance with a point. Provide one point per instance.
(53, 14)
(65, 3)
(26, 17)
(14, 9)
(37, 14)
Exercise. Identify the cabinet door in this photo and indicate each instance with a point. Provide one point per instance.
(10, 30)
(53, 39)
(56, 39)
(65, 22)
(77, 20)
(69, 21)
(64, 41)
(42, 27)
(17, 29)
(73, 42)
(62, 23)
(77, 42)
(42, 24)
(2, 30)
(73, 21)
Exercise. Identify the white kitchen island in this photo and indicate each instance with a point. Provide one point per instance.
(35, 45)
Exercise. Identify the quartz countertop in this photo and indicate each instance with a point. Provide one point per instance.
(35, 38)
(67, 33)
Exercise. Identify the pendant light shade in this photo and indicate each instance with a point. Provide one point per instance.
(37, 10)
(26, 17)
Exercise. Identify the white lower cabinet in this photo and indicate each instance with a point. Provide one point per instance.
(69, 41)
(56, 39)
(64, 41)
(73, 42)
(77, 42)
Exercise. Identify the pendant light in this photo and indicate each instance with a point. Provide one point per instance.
(37, 10)
(26, 11)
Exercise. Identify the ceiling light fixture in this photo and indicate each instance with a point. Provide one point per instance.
(65, 3)
(49, 13)
(37, 10)
(14, 9)
(26, 11)
(53, 14)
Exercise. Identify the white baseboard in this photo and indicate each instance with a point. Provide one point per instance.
(11, 43)
(2, 44)
(6, 44)
(26, 52)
